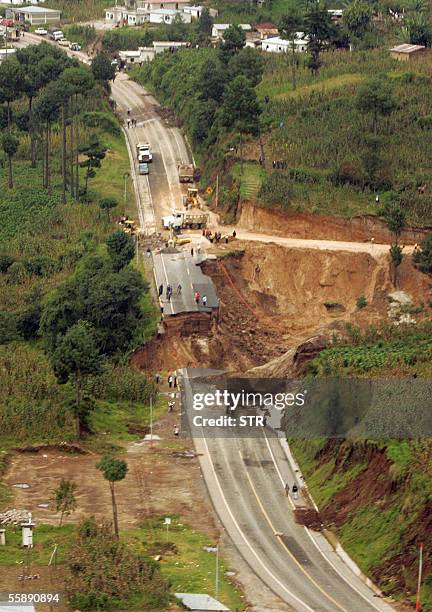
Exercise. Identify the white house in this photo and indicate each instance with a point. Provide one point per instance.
(195, 11)
(35, 15)
(280, 45)
(146, 54)
(166, 45)
(218, 29)
(169, 16)
(152, 5)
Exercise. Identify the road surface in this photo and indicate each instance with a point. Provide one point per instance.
(245, 478)
(181, 268)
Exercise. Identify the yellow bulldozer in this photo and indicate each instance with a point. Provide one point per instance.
(191, 200)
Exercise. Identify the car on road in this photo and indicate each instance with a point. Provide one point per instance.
(63, 42)
(143, 168)
(75, 46)
(41, 32)
(56, 35)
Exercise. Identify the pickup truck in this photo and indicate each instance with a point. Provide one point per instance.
(180, 219)
(63, 42)
(41, 31)
(144, 153)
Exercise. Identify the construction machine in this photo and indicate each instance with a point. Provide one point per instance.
(191, 200)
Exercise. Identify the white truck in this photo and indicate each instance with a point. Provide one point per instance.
(185, 219)
(144, 154)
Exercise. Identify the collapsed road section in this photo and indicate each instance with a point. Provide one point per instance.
(187, 297)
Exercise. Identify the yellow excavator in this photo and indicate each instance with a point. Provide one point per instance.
(191, 199)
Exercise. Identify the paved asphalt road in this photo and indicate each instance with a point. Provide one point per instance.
(245, 477)
(172, 268)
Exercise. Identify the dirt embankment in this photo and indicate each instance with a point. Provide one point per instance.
(302, 225)
(272, 298)
(376, 487)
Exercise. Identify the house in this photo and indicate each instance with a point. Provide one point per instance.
(35, 15)
(169, 16)
(266, 30)
(200, 602)
(151, 5)
(280, 45)
(195, 11)
(218, 29)
(407, 52)
(252, 40)
(168, 45)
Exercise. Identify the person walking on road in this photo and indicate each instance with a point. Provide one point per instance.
(179, 289)
(295, 491)
(287, 489)
(192, 252)
(170, 381)
(204, 300)
(128, 123)
(168, 292)
(197, 297)
(160, 290)
(176, 431)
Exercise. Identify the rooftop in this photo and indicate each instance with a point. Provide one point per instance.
(277, 40)
(225, 26)
(35, 9)
(265, 25)
(407, 48)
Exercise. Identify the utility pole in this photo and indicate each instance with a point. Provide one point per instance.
(151, 420)
(419, 577)
(217, 571)
(125, 176)
(217, 190)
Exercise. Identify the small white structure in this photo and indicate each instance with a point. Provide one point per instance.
(195, 11)
(169, 16)
(35, 15)
(27, 534)
(5, 53)
(218, 29)
(280, 45)
(18, 2)
(200, 602)
(2, 537)
(166, 45)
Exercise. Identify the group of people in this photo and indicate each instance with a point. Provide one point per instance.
(169, 291)
(294, 490)
(280, 164)
(131, 122)
(198, 298)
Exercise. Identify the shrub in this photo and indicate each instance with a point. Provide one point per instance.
(41, 266)
(361, 302)
(17, 273)
(122, 383)
(5, 262)
(8, 327)
(349, 173)
(422, 258)
(276, 190)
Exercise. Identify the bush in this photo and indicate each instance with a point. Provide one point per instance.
(5, 262)
(8, 327)
(349, 173)
(422, 257)
(276, 190)
(122, 383)
(42, 266)
(17, 273)
(305, 175)
(104, 121)
(361, 302)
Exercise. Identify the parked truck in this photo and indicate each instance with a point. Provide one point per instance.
(144, 154)
(188, 173)
(185, 219)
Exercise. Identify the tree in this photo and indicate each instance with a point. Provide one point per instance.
(357, 18)
(234, 39)
(205, 22)
(121, 249)
(11, 84)
(396, 257)
(422, 257)
(113, 470)
(95, 152)
(249, 63)
(376, 97)
(417, 30)
(289, 25)
(47, 107)
(395, 218)
(109, 301)
(10, 145)
(107, 204)
(64, 498)
(241, 110)
(102, 68)
(76, 357)
(319, 29)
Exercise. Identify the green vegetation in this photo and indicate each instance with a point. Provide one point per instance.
(80, 10)
(84, 35)
(387, 349)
